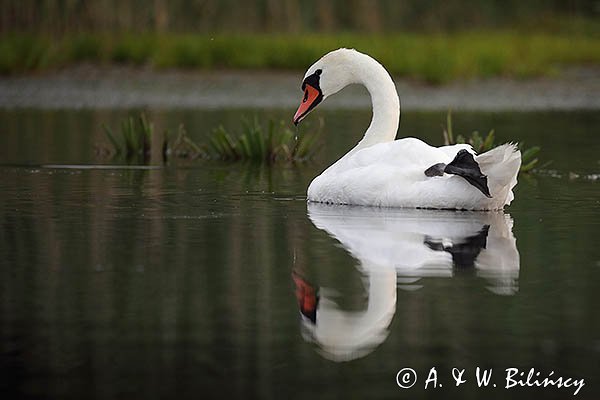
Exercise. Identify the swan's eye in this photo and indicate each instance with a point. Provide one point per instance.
(319, 71)
(305, 96)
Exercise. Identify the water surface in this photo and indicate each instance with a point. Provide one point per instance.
(215, 280)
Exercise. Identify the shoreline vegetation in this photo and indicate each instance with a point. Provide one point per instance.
(431, 57)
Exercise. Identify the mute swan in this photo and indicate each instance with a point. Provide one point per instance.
(381, 171)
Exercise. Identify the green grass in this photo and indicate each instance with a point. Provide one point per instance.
(434, 58)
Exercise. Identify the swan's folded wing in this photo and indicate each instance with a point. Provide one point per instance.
(408, 152)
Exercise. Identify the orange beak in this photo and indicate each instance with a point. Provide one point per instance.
(312, 97)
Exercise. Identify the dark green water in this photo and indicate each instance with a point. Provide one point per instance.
(185, 281)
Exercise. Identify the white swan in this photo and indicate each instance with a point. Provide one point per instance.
(381, 171)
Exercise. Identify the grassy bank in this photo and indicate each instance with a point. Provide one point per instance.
(431, 57)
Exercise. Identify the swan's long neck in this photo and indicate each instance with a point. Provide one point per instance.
(386, 104)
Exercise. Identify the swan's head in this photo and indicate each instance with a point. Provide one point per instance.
(329, 75)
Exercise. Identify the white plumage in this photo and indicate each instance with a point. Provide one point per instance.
(392, 175)
(381, 171)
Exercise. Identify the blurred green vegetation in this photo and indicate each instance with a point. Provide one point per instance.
(436, 41)
(431, 57)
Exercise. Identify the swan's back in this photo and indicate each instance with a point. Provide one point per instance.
(392, 175)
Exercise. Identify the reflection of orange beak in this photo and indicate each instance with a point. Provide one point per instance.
(312, 97)
(306, 296)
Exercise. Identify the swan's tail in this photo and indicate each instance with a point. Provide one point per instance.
(501, 165)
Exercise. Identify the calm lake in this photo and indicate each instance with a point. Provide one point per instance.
(213, 280)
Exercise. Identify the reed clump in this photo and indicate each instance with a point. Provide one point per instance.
(268, 142)
(263, 143)
(133, 142)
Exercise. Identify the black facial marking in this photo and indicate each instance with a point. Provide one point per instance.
(312, 80)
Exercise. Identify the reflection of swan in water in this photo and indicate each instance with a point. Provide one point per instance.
(346, 335)
(401, 246)
(426, 243)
